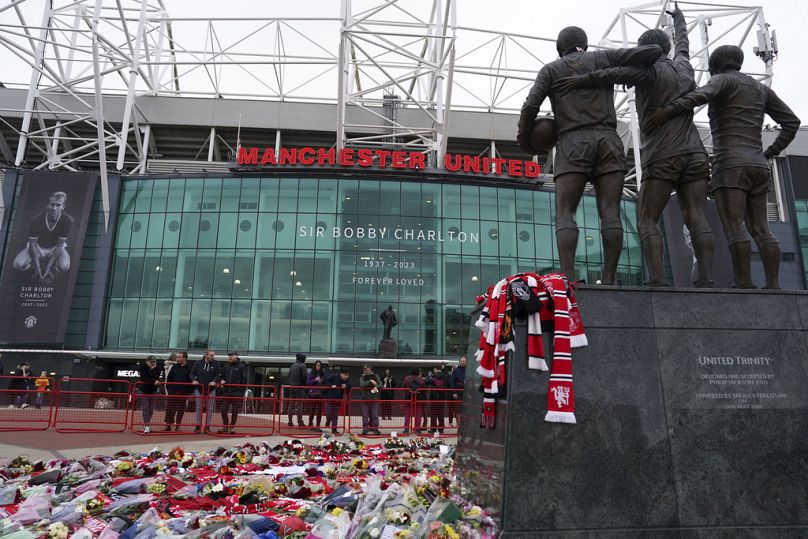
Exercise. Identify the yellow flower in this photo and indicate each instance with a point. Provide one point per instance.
(450, 532)
(336, 511)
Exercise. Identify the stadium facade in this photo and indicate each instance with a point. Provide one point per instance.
(204, 232)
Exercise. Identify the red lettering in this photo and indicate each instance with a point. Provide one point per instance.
(364, 157)
(471, 163)
(346, 156)
(383, 155)
(452, 162)
(246, 157)
(532, 169)
(399, 160)
(288, 157)
(514, 167)
(486, 165)
(269, 157)
(302, 156)
(417, 160)
(329, 155)
(498, 162)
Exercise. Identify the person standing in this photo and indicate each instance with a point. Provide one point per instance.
(178, 386)
(297, 379)
(338, 386)
(388, 394)
(21, 385)
(42, 386)
(589, 148)
(315, 380)
(150, 374)
(232, 386)
(370, 384)
(205, 375)
(412, 383)
(457, 381)
(439, 382)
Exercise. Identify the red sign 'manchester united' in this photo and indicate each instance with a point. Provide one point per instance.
(366, 157)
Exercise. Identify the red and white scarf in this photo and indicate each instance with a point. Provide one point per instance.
(496, 339)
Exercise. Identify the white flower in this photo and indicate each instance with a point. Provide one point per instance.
(374, 532)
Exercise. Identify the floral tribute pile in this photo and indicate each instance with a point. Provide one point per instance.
(401, 489)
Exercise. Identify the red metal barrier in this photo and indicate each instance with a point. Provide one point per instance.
(170, 409)
(27, 403)
(82, 406)
(303, 416)
(240, 413)
(379, 417)
(441, 407)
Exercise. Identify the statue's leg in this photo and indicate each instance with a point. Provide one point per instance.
(608, 192)
(732, 209)
(757, 223)
(693, 201)
(568, 192)
(654, 196)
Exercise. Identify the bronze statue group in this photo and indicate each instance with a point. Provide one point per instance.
(580, 85)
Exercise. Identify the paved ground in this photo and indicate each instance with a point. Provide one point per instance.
(47, 444)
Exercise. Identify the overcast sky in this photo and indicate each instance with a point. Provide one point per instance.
(530, 17)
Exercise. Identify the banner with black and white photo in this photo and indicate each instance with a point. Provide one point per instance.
(42, 255)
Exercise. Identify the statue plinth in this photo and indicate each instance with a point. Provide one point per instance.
(387, 348)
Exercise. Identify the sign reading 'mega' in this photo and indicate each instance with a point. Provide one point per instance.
(366, 157)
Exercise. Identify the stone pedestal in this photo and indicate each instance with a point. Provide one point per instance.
(387, 348)
(692, 415)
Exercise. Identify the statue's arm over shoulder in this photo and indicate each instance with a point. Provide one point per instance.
(538, 93)
(783, 115)
(704, 94)
(630, 76)
(643, 56)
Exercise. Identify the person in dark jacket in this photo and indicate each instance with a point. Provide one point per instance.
(178, 387)
(21, 385)
(297, 379)
(370, 384)
(205, 375)
(234, 378)
(438, 380)
(456, 381)
(412, 383)
(338, 386)
(150, 374)
(388, 394)
(315, 380)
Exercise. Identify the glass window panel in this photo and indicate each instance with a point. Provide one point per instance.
(411, 199)
(327, 196)
(525, 243)
(200, 324)
(321, 326)
(134, 275)
(304, 276)
(545, 242)
(507, 238)
(193, 195)
(171, 232)
(118, 276)
(239, 326)
(280, 319)
(189, 231)
(231, 193)
(162, 323)
(151, 274)
(244, 267)
(219, 324)
(506, 204)
(390, 198)
(176, 194)
(157, 223)
(223, 275)
(211, 195)
(140, 225)
(285, 230)
(451, 201)
(145, 324)
(470, 201)
(129, 322)
(524, 205)
(269, 195)
(124, 235)
(590, 213)
(113, 323)
(430, 195)
(543, 208)
(228, 227)
(167, 275)
(267, 224)
(143, 196)
(307, 196)
(322, 277)
(246, 232)
(208, 230)
(300, 327)
(347, 197)
(489, 238)
(284, 278)
(259, 327)
(181, 324)
(288, 196)
(128, 195)
(204, 274)
(265, 264)
(368, 200)
(186, 267)
(470, 237)
(159, 196)
(324, 232)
